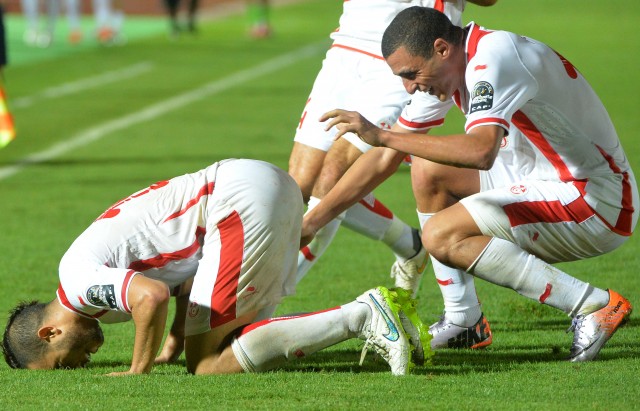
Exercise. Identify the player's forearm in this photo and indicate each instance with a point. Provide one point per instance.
(149, 311)
(369, 171)
(476, 151)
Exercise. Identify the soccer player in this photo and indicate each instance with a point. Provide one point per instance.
(231, 228)
(354, 76)
(554, 183)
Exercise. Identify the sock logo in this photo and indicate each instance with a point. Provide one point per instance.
(393, 334)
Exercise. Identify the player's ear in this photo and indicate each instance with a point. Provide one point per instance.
(441, 47)
(48, 332)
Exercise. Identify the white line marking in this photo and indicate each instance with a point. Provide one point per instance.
(82, 85)
(156, 110)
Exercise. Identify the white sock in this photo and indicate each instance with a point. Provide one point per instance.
(504, 263)
(310, 254)
(458, 290)
(373, 219)
(267, 344)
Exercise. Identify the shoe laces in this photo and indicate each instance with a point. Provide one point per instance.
(577, 325)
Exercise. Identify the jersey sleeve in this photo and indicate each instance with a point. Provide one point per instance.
(424, 112)
(498, 82)
(98, 292)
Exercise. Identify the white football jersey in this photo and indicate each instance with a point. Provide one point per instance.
(357, 31)
(157, 231)
(558, 129)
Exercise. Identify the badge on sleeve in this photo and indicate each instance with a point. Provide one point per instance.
(102, 296)
(482, 97)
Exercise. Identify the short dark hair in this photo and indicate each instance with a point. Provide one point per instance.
(20, 344)
(416, 29)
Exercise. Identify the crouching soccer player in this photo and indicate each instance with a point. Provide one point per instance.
(234, 229)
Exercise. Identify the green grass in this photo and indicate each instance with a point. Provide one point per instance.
(45, 205)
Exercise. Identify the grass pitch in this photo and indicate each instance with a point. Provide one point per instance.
(88, 137)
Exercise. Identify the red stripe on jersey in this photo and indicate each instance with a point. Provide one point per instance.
(526, 126)
(624, 224)
(259, 324)
(426, 124)
(439, 5)
(225, 289)
(475, 34)
(308, 255)
(125, 287)
(377, 208)
(357, 51)
(487, 121)
(204, 191)
(163, 259)
(529, 212)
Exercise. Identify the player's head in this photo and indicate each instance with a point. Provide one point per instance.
(423, 47)
(37, 339)
(416, 29)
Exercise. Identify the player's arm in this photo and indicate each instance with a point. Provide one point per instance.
(148, 300)
(369, 171)
(174, 343)
(476, 149)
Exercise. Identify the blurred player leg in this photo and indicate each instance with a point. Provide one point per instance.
(258, 18)
(73, 19)
(30, 10)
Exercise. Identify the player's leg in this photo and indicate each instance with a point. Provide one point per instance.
(192, 14)
(73, 19)
(378, 95)
(31, 15)
(258, 18)
(172, 11)
(505, 237)
(268, 344)
(462, 324)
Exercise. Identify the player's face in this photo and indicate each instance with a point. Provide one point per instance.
(435, 76)
(74, 349)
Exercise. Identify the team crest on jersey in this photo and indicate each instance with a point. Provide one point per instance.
(102, 296)
(518, 189)
(482, 97)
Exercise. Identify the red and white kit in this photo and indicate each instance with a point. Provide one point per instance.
(561, 187)
(354, 76)
(234, 225)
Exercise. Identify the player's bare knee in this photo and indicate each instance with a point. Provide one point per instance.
(437, 239)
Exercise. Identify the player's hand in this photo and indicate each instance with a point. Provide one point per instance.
(352, 122)
(171, 350)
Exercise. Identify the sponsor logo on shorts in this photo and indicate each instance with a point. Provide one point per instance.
(518, 189)
(102, 296)
(194, 309)
(482, 97)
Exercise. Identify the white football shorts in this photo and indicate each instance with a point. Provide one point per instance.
(549, 219)
(351, 80)
(253, 222)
